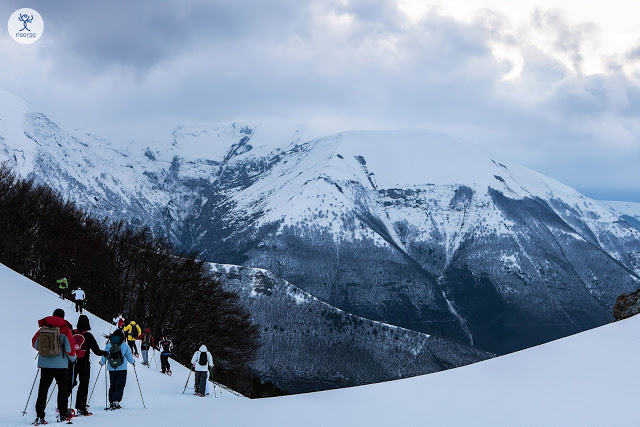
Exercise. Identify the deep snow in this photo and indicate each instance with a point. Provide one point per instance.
(586, 379)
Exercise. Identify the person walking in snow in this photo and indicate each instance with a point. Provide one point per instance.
(55, 350)
(147, 342)
(119, 353)
(119, 321)
(63, 285)
(133, 332)
(84, 342)
(79, 297)
(201, 362)
(166, 348)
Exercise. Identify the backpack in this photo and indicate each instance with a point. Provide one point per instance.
(147, 340)
(121, 323)
(166, 346)
(49, 341)
(115, 355)
(203, 358)
(80, 344)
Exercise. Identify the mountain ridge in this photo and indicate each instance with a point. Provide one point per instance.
(445, 241)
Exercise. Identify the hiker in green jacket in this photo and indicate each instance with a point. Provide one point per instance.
(63, 285)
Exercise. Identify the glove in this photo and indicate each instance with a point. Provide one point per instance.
(105, 353)
(101, 364)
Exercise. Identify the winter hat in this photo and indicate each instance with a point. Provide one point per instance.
(147, 330)
(58, 312)
(83, 323)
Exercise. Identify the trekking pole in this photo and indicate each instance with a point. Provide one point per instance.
(213, 383)
(73, 378)
(136, 372)
(54, 389)
(94, 385)
(213, 368)
(106, 385)
(187, 383)
(34, 384)
(154, 357)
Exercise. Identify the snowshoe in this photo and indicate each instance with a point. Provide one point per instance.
(169, 372)
(83, 413)
(67, 417)
(39, 421)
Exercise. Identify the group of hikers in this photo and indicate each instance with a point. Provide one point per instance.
(64, 356)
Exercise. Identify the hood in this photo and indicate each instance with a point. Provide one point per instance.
(54, 321)
(147, 330)
(132, 323)
(203, 348)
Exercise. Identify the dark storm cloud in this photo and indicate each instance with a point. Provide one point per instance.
(143, 32)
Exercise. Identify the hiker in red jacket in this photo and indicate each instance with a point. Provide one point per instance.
(55, 352)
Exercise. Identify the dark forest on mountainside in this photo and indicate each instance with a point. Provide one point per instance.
(128, 271)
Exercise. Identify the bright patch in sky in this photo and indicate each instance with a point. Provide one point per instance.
(608, 30)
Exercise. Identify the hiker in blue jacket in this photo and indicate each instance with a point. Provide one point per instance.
(119, 355)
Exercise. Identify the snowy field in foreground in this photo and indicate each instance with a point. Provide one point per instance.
(586, 379)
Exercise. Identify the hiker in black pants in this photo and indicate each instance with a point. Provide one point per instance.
(53, 361)
(79, 297)
(166, 348)
(85, 342)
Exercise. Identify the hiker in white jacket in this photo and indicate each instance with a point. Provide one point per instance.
(201, 361)
(79, 297)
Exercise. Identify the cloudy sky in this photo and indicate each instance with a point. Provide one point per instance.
(553, 85)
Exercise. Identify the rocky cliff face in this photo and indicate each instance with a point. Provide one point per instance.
(627, 305)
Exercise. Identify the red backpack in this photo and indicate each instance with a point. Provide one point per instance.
(80, 344)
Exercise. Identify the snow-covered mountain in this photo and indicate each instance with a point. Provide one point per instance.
(308, 345)
(411, 228)
(586, 379)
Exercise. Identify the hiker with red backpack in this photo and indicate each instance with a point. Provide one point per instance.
(84, 342)
(55, 351)
(166, 349)
(118, 354)
(147, 342)
(201, 363)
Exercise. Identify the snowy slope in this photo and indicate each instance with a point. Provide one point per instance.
(585, 379)
(628, 211)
